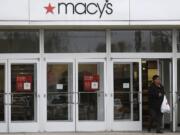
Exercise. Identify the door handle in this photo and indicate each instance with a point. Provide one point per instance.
(37, 95)
(178, 97)
(71, 103)
(12, 98)
(77, 103)
(139, 96)
(6, 97)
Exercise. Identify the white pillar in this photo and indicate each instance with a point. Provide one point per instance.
(174, 67)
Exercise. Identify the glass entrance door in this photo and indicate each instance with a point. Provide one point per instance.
(165, 72)
(74, 96)
(178, 97)
(59, 95)
(163, 68)
(90, 95)
(23, 96)
(3, 97)
(126, 95)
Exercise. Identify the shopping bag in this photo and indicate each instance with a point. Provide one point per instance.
(165, 107)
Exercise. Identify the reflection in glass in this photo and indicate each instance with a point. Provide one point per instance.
(74, 41)
(141, 41)
(135, 97)
(149, 68)
(165, 69)
(23, 89)
(59, 92)
(178, 93)
(178, 41)
(19, 41)
(91, 91)
(126, 88)
(122, 99)
(2, 82)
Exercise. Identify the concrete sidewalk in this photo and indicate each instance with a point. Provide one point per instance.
(94, 133)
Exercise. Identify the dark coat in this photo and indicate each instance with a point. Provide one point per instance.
(155, 100)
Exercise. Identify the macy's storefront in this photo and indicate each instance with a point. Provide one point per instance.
(86, 65)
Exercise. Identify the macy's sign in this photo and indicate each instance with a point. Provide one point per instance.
(80, 8)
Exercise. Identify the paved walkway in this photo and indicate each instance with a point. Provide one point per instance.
(95, 133)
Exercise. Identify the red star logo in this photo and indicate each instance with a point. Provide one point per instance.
(49, 9)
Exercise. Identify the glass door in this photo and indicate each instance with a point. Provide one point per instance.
(126, 95)
(162, 67)
(178, 96)
(90, 95)
(4, 103)
(24, 95)
(165, 72)
(59, 97)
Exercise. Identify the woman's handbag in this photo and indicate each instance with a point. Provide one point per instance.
(165, 107)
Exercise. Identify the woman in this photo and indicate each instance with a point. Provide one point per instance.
(156, 95)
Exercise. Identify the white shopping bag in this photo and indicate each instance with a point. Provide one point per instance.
(165, 108)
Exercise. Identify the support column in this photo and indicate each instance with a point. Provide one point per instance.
(174, 79)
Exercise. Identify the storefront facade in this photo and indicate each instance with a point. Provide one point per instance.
(86, 65)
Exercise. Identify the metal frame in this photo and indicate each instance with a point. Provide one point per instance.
(127, 125)
(56, 126)
(4, 125)
(177, 104)
(176, 57)
(107, 57)
(91, 125)
(174, 79)
(20, 126)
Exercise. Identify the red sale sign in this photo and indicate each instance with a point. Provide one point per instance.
(91, 83)
(23, 83)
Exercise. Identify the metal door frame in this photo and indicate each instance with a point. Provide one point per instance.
(91, 125)
(126, 125)
(4, 125)
(24, 126)
(57, 126)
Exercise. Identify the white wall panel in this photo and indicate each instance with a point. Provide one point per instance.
(14, 10)
(157, 10)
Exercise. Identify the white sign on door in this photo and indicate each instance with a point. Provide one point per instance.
(125, 85)
(27, 86)
(94, 85)
(59, 86)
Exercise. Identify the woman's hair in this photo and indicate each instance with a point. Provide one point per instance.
(155, 77)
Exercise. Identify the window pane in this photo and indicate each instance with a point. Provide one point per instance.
(126, 91)
(141, 41)
(178, 42)
(59, 92)
(122, 96)
(23, 92)
(74, 41)
(178, 94)
(19, 41)
(91, 91)
(2, 91)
